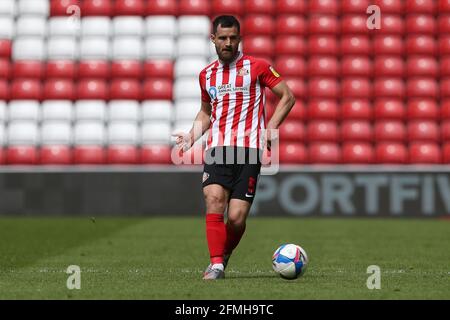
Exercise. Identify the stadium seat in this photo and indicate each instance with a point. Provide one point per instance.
(258, 45)
(4, 90)
(291, 6)
(89, 155)
(57, 133)
(292, 130)
(445, 109)
(189, 66)
(390, 131)
(155, 132)
(3, 113)
(291, 25)
(290, 66)
(420, 45)
(24, 110)
(92, 90)
(423, 109)
(443, 23)
(128, 26)
(392, 24)
(290, 45)
(322, 131)
(422, 66)
(26, 89)
(424, 153)
(122, 154)
(326, 66)
(319, 109)
(356, 66)
(90, 110)
(357, 153)
(391, 153)
(186, 110)
(323, 88)
(389, 66)
(298, 111)
(324, 7)
(321, 44)
(127, 69)
(421, 6)
(161, 26)
(59, 89)
(125, 89)
(444, 66)
(27, 48)
(324, 153)
(129, 7)
(21, 155)
(156, 154)
(194, 26)
(60, 7)
(356, 130)
(445, 131)
(323, 24)
(184, 88)
(28, 69)
(388, 45)
(22, 137)
(97, 8)
(5, 48)
(421, 24)
(390, 6)
(354, 6)
(160, 47)
(194, 7)
(423, 131)
(445, 88)
(356, 87)
(259, 6)
(55, 155)
(153, 110)
(33, 7)
(444, 6)
(446, 153)
(443, 42)
(158, 89)
(356, 109)
(8, 7)
(124, 110)
(57, 110)
(61, 69)
(95, 48)
(94, 69)
(31, 26)
(389, 109)
(293, 153)
(89, 138)
(162, 7)
(64, 48)
(63, 27)
(354, 24)
(259, 25)
(297, 86)
(123, 138)
(96, 26)
(422, 88)
(7, 26)
(227, 7)
(159, 69)
(389, 88)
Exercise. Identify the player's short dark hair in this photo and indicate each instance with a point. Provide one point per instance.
(226, 22)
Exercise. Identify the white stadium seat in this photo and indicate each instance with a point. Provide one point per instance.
(31, 26)
(192, 46)
(61, 26)
(2, 135)
(123, 133)
(160, 47)
(62, 48)
(57, 110)
(7, 27)
(96, 27)
(95, 48)
(22, 133)
(186, 109)
(123, 110)
(3, 111)
(189, 66)
(34, 7)
(127, 48)
(89, 133)
(161, 26)
(157, 110)
(194, 25)
(29, 48)
(187, 88)
(128, 26)
(90, 110)
(183, 126)
(155, 133)
(56, 133)
(19, 110)
(8, 8)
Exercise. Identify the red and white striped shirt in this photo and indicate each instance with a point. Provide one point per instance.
(236, 94)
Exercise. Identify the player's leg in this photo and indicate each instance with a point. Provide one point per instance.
(238, 211)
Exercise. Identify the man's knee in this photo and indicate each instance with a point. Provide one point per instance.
(237, 218)
(216, 201)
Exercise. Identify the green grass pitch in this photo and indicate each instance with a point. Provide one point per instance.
(163, 258)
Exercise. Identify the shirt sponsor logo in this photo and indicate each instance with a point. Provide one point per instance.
(228, 89)
(213, 93)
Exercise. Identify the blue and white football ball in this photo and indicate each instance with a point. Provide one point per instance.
(290, 261)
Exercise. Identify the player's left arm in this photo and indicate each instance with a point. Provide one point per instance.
(287, 101)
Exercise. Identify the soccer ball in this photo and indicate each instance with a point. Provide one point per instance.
(289, 261)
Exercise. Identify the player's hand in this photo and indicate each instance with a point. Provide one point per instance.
(269, 136)
(183, 140)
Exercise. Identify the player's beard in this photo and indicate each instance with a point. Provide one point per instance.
(227, 56)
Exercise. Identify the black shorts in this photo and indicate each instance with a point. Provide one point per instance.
(237, 173)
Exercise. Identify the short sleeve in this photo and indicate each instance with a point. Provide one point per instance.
(269, 77)
(202, 82)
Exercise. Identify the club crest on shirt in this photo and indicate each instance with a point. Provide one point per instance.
(205, 176)
(243, 72)
(276, 74)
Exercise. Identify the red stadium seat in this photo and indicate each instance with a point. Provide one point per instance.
(156, 154)
(422, 66)
(125, 89)
(322, 44)
(323, 24)
(59, 7)
(327, 66)
(290, 66)
(129, 7)
(28, 69)
(158, 69)
(445, 131)
(292, 130)
(323, 110)
(5, 48)
(4, 89)
(298, 111)
(2, 155)
(162, 7)
(446, 153)
(324, 153)
(324, 7)
(444, 6)
(89, 155)
(423, 109)
(92, 90)
(259, 6)
(258, 24)
(127, 69)
(420, 45)
(291, 25)
(26, 89)
(354, 24)
(391, 153)
(94, 70)
(390, 130)
(421, 24)
(356, 130)
(5, 69)
(227, 7)
(389, 88)
(194, 7)
(356, 66)
(357, 153)
(122, 154)
(356, 87)
(158, 89)
(258, 45)
(292, 153)
(354, 6)
(355, 45)
(445, 109)
(297, 86)
(55, 155)
(62, 69)
(389, 66)
(389, 109)
(424, 153)
(59, 89)
(392, 24)
(421, 6)
(423, 130)
(96, 8)
(445, 87)
(444, 24)
(388, 44)
(356, 109)
(322, 131)
(422, 88)
(22, 155)
(444, 66)
(291, 6)
(390, 6)
(323, 88)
